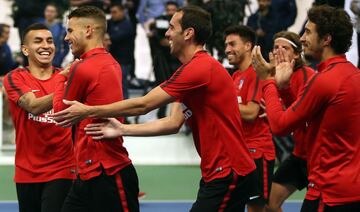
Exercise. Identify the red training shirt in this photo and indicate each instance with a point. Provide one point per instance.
(288, 95)
(257, 132)
(94, 80)
(330, 105)
(44, 152)
(211, 110)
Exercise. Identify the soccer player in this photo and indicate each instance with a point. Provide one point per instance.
(329, 105)
(292, 173)
(107, 180)
(44, 159)
(239, 42)
(208, 104)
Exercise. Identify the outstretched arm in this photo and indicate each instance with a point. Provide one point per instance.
(113, 128)
(130, 107)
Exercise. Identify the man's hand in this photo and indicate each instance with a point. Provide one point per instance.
(263, 69)
(112, 128)
(71, 115)
(66, 70)
(284, 68)
(263, 107)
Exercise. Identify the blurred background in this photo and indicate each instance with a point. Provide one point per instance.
(168, 166)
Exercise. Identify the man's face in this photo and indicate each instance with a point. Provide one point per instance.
(76, 36)
(264, 4)
(5, 34)
(235, 49)
(171, 9)
(175, 34)
(50, 13)
(311, 42)
(39, 47)
(117, 14)
(289, 49)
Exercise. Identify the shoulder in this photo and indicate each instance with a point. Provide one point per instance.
(16, 75)
(16, 72)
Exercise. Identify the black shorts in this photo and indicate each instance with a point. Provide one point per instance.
(264, 170)
(46, 196)
(316, 206)
(105, 193)
(292, 171)
(230, 193)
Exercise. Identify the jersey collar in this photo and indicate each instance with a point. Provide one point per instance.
(337, 59)
(92, 52)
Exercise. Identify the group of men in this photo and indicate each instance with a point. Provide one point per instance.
(88, 169)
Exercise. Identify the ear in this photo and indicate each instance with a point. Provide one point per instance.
(89, 30)
(297, 56)
(248, 46)
(327, 40)
(189, 33)
(25, 50)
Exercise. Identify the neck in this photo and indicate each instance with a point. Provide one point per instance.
(92, 44)
(50, 21)
(188, 53)
(245, 63)
(42, 72)
(327, 53)
(264, 12)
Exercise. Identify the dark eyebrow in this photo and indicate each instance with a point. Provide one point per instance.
(230, 42)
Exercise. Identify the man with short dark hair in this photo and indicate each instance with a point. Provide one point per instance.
(56, 27)
(107, 180)
(239, 42)
(329, 105)
(7, 62)
(44, 159)
(208, 104)
(122, 35)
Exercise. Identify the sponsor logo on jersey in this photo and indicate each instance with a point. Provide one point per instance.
(186, 111)
(43, 118)
(241, 84)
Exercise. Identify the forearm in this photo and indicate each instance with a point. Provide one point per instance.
(164, 126)
(131, 107)
(279, 123)
(35, 105)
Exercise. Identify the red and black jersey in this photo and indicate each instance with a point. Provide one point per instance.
(329, 104)
(207, 93)
(94, 80)
(297, 82)
(44, 152)
(257, 132)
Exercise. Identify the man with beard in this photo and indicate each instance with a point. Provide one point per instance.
(328, 105)
(208, 104)
(107, 180)
(239, 42)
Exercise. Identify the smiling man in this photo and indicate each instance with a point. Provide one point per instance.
(239, 42)
(209, 104)
(107, 180)
(329, 106)
(44, 161)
